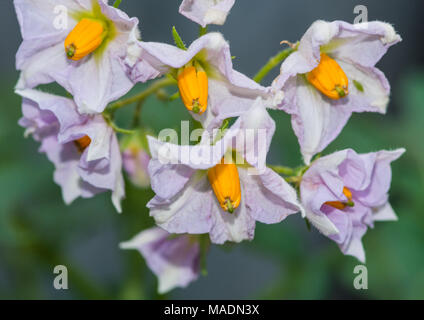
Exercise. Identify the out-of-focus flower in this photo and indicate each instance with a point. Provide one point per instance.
(209, 87)
(82, 45)
(136, 158)
(175, 260)
(332, 74)
(206, 12)
(345, 192)
(221, 189)
(83, 148)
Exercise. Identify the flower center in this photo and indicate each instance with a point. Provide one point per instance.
(225, 182)
(82, 143)
(342, 205)
(193, 85)
(85, 38)
(329, 78)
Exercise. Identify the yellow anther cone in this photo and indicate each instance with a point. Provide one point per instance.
(82, 143)
(84, 39)
(193, 86)
(225, 182)
(329, 78)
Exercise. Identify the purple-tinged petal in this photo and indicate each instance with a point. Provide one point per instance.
(189, 211)
(384, 213)
(316, 119)
(234, 227)
(42, 58)
(201, 156)
(174, 260)
(269, 198)
(206, 12)
(376, 193)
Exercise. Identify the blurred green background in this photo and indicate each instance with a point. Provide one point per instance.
(285, 261)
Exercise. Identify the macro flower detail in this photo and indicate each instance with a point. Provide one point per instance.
(88, 53)
(196, 192)
(332, 74)
(187, 138)
(175, 260)
(83, 148)
(206, 12)
(209, 86)
(345, 193)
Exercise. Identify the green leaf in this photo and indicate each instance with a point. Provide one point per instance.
(177, 39)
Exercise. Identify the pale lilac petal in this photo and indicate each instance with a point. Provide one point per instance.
(136, 165)
(374, 96)
(110, 78)
(269, 198)
(60, 109)
(376, 193)
(235, 227)
(189, 211)
(316, 119)
(368, 178)
(201, 156)
(174, 260)
(161, 175)
(206, 12)
(384, 213)
(256, 131)
(54, 121)
(356, 249)
(42, 58)
(364, 43)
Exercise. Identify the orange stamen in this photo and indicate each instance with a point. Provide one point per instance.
(225, 182)
(193, 86)
(84, 39)
(342, 205)
(329, 78)
(82, 143)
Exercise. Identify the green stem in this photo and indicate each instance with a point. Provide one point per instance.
(117, 3)
(113, 125)
(203, 31)
(287, 171)
(137, 113)
(272, 63)
(204, 248)
(155, 86)
(222, 131)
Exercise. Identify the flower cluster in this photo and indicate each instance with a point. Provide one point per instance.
(215, 190)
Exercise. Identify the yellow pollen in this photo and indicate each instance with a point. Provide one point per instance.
(82, 143)
(225, 182)
(84, 39)
(193, 85)
(342, 205)
(329, 78)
